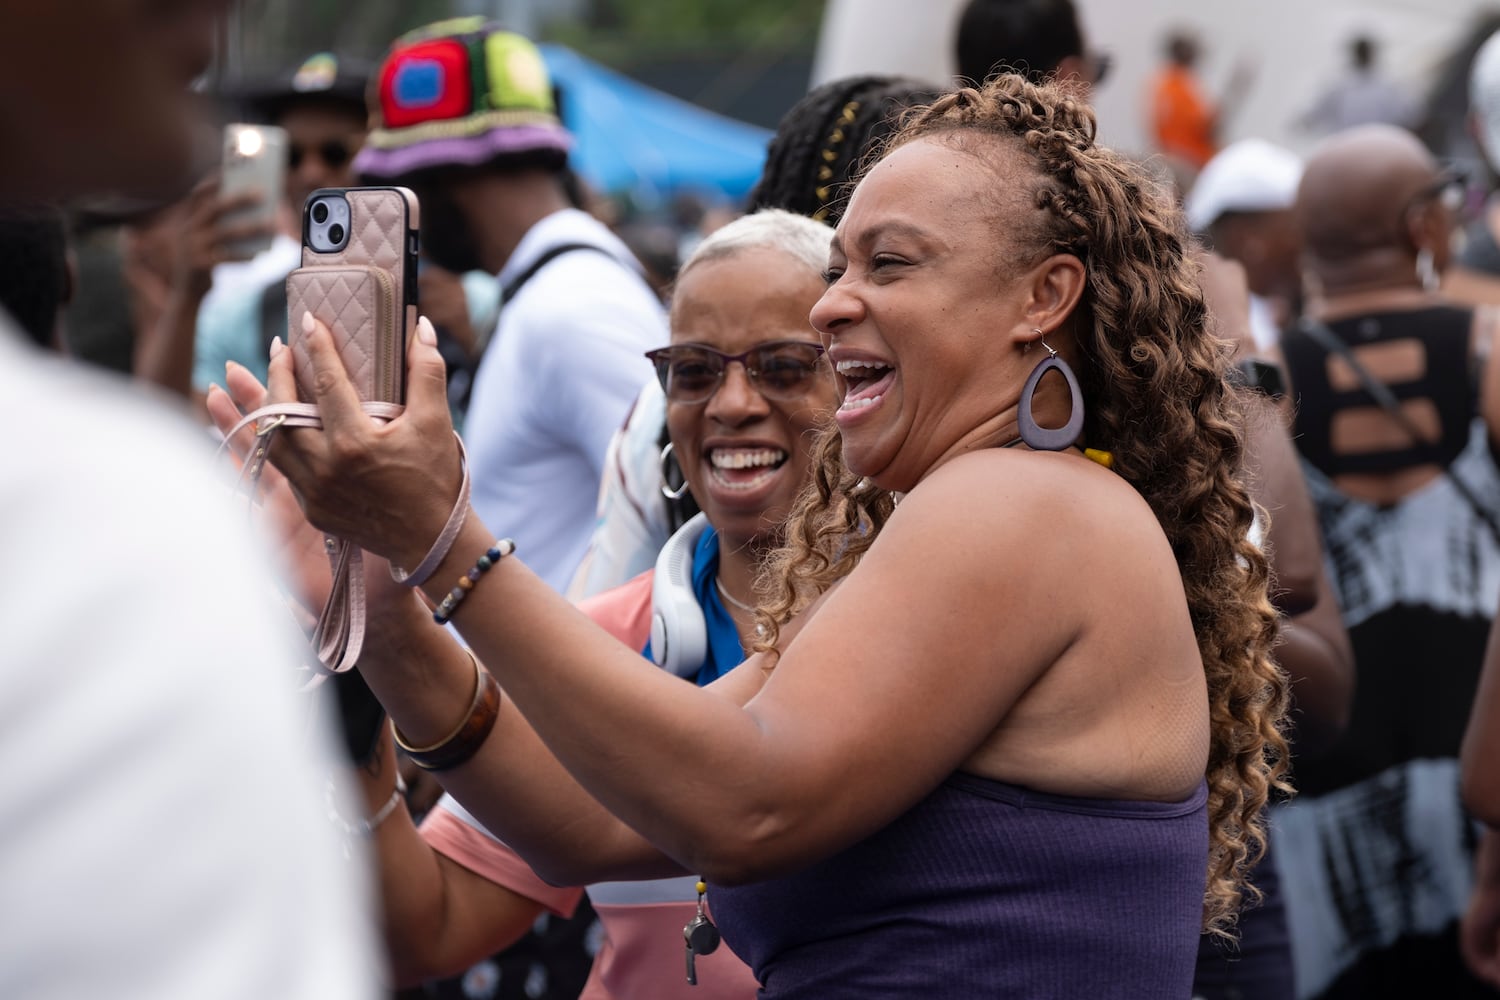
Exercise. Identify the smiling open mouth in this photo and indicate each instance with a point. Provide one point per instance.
(745, 468)
(866, 382)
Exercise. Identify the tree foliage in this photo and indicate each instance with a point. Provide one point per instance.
(277, 34)
(677, 24)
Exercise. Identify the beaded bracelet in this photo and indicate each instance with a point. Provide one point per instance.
(502, 548)
(470, 733)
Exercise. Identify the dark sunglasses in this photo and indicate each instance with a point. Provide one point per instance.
(334, 153)
(1450, 189)
(779, 370)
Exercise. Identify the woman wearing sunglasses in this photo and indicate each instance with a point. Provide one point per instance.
(746, 389)
(1012, 721)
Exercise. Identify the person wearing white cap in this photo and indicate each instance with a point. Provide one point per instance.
(1243, 203)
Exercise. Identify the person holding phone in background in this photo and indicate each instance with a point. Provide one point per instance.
(237, 306)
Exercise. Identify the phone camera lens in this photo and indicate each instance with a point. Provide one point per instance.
(320, 213)
(336, 234)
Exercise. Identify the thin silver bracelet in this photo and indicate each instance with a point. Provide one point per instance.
(365, 828)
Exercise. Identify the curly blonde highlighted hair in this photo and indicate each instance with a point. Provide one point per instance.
(1153, 376)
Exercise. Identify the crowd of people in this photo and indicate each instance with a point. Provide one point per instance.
(988, 564)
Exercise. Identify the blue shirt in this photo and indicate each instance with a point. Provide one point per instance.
(724, 650)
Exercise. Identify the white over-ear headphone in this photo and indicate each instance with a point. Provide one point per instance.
(679, 635)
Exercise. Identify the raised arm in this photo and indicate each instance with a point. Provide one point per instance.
(164, 351)
(415, 668)
(842, 737)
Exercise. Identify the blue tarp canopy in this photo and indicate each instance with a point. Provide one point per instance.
(633, 139)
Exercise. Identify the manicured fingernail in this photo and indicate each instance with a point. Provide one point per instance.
(307, 322)
(276, 346)
(425, 333)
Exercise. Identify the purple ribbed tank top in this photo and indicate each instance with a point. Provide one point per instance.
(988, 890)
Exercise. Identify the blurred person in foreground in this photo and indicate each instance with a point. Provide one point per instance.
(1394, 412)
(463, 114)
(130, 866)
(741, 432)
(884, 720)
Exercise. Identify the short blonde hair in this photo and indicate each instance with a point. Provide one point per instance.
(799, 237)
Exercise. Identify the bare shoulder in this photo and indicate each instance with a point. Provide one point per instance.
(1028, 530)
(1028, 498)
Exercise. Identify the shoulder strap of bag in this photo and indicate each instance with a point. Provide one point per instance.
(1320, 334)
(460, 398)
(510, 288)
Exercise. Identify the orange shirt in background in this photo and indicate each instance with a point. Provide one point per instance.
(1182, 121)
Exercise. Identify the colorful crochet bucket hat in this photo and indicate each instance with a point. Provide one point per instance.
(459, 93)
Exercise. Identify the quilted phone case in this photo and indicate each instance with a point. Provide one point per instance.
(358, 304)
(383, 224)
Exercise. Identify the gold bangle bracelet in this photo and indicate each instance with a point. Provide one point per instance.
(472, 730)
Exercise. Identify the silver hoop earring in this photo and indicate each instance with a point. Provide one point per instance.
(1427, 273)
(1040, 438)
(668, 463)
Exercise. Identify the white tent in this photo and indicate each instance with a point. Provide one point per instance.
(1296, 46)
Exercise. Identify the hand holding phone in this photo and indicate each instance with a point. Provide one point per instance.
(358, 276)
(206, 236)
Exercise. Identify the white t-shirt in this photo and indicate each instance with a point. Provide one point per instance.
(164, 828)
(556, 382)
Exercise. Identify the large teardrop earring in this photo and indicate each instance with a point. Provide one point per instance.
(1034, 435)
(668, 466)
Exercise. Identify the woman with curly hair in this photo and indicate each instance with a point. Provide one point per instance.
(1009, 736)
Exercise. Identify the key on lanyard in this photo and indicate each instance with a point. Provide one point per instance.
(701, 935)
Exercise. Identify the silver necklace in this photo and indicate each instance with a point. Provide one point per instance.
(719, 585)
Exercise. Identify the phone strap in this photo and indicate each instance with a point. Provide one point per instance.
(1331, 342)
(338, 638)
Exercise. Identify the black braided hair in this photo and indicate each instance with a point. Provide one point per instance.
(822, 140)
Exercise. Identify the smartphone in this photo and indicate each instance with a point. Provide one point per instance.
(359, 277)
(255, 157)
